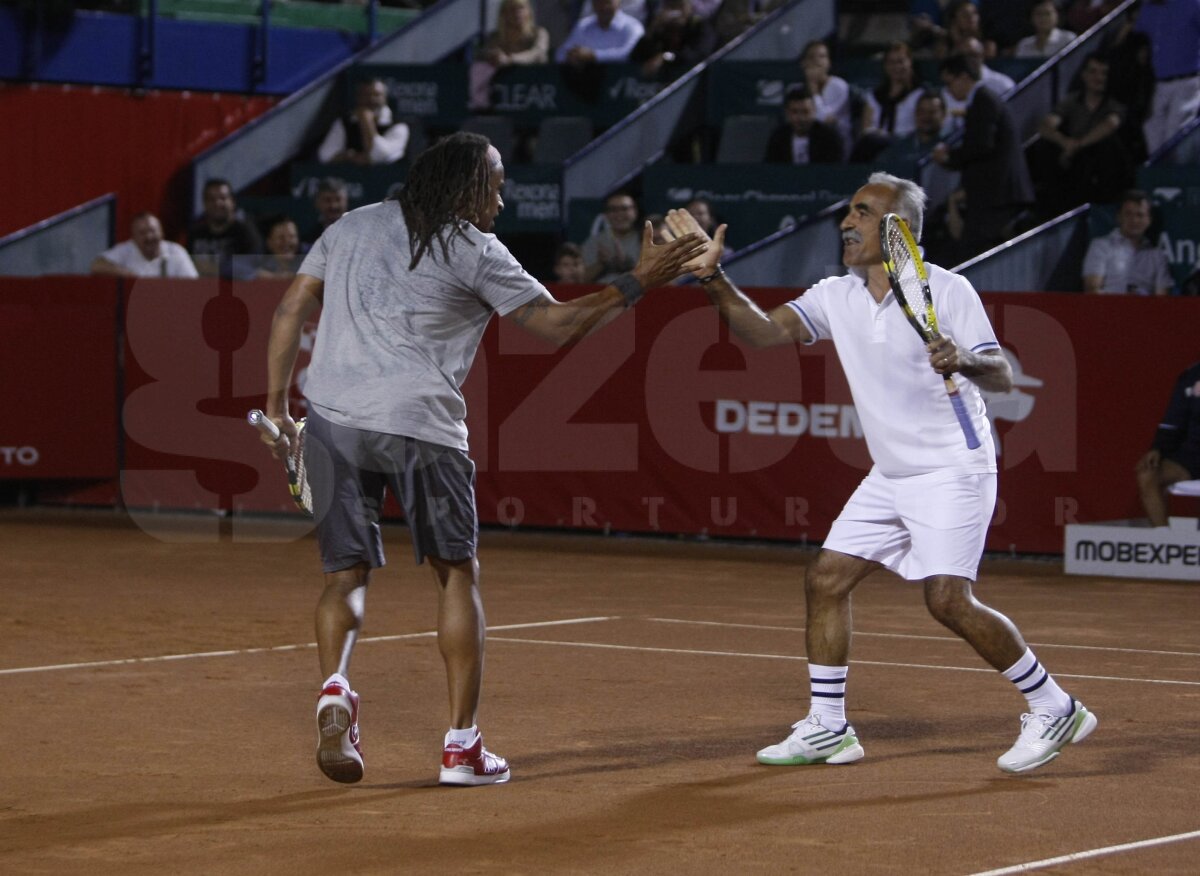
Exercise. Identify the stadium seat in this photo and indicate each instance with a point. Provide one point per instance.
(498, 129)
(560, 137)
(744, 139)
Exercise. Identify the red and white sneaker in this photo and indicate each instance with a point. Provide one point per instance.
(339, 754)
(473, 765)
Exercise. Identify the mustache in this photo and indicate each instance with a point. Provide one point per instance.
(851, 237)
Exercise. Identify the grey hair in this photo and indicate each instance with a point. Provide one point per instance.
(910, 199)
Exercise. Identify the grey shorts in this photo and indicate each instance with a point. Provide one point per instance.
(349, 471)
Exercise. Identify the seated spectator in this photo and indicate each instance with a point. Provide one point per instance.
(1081, 15)
(1079, 157)
(993, 80)
(675, 41)
(283, 256)
(701, 210)
(145, 254)
(1175, 453)
(734, 17)
(1124, 261)
(517, 40)
(614, 248)
(1047, 39)
(568, 264)
(890, 108)
(1173, 27)
(331, 201)
(961, 22)
(831, 94)
(607, 36)
(219, 235)
(368, 134)
(931, 128)
(801, 139)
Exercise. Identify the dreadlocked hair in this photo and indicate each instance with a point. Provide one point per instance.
(447, 185)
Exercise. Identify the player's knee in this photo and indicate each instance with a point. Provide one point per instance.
(947, 599)
(824, 582)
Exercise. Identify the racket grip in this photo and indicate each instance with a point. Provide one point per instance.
(960, 411)
(259, 421)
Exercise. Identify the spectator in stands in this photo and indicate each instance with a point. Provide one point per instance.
(1174, 30)
(219, 235)
(1048, 38)
(568, 264)
(145, 254)
(675, 41)
(961, 23)
(517, 39)
(701, 210)
(1131, 82)
(369, 133)
(993, 80)
(802, 138)
(734, 17)
(616, 245)
(331, 201)
(995, 179)
(1080, 157)
(890, 108)
(1081, 15)
(607, 36)
(831, 94)
(283, 256)
(1175, 453)
(1124, 261)
(931, 129)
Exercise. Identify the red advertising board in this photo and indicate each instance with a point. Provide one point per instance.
(658, 423)
(58, 378)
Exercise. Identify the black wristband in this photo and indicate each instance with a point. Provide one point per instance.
(715, 275)
(631, 290)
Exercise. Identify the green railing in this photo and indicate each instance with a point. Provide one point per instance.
(350, 18)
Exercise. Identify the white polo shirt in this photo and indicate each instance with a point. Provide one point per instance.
(172, 261)
(901, 401)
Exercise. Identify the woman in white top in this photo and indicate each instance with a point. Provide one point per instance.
(891, 106)
(517, 39)
(831, 94)
(1047, 39)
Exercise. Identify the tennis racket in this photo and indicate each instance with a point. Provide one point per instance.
(910, 282)
(297, 474)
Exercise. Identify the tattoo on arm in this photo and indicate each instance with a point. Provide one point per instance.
(523, 314)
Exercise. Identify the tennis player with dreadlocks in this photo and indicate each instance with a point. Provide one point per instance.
(406, 288)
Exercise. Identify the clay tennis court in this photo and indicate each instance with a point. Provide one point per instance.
(159, 693)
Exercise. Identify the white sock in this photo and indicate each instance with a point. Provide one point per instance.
(462, 736)
(1039, 687)
(337, 678)
(828, 685)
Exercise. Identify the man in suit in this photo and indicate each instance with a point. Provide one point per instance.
(802, 139)
(995, 178)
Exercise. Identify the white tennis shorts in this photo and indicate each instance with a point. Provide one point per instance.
(927, 525)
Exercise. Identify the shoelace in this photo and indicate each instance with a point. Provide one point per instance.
(1033, 726)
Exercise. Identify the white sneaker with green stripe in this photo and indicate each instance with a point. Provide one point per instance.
(813, 742)
(1043, 735)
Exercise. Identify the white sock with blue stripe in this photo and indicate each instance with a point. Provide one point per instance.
(1038, 686)
(828, 694)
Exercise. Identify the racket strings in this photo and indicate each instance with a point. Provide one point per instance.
(909, 284)
(296, 452)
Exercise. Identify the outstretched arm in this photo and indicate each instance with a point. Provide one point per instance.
(748, 321)
(566, 322)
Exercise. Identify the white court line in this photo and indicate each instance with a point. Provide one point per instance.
(1091, 853)
(673, 620)
(803, 659)
(132, 661)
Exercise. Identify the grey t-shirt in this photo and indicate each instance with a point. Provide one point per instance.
(394, 346)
